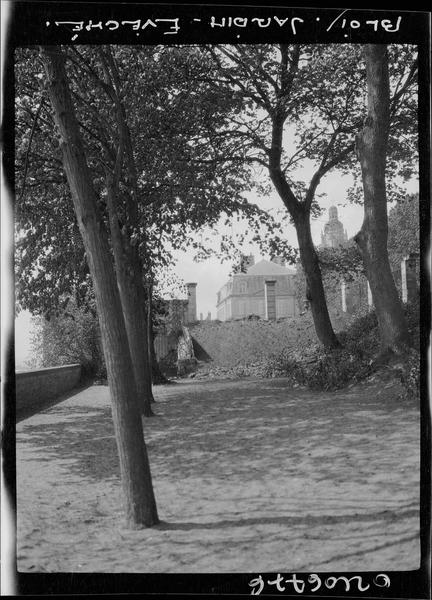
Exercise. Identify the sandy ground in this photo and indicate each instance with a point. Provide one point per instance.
(249, 476)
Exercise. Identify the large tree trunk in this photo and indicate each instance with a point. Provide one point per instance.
(129, 279)
(136, 479)
(314, 285)
(372, 238)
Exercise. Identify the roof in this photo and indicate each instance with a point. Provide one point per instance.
(266, 267)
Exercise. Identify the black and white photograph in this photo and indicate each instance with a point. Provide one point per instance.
(215, 232)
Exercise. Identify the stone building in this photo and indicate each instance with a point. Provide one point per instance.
(334, 234)
(267, 290)
(184, 312)
(179, 313)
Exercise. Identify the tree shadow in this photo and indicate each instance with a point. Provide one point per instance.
(87, 439)
(362, 552)
(308, 520)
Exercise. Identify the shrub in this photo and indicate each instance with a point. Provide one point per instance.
(70, 337)
(337, 368)
(323, 369)
(412, 315)
(248, 349)
(410, 376)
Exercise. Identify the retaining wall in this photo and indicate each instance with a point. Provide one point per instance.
(35, 387)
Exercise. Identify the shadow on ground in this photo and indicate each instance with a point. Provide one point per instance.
(245, 473)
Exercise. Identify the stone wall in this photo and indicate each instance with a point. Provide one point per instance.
(35, 387)
(357, 295)
(232, 343)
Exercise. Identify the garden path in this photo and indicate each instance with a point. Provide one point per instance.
(250, 476)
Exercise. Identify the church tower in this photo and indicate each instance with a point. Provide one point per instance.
(334, 234)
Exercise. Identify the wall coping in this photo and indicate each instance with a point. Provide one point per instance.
(46, 370)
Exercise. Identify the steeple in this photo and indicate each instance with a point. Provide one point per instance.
(333, 214)
(334, 234)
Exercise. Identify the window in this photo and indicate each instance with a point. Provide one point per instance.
(242, 287)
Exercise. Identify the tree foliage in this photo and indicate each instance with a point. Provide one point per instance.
(302, 106)
(183, 185)
(212, 122)
(404, 229)
(71, 337)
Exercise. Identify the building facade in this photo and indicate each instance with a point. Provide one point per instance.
(266, 290)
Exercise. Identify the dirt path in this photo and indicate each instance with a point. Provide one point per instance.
(249, 476)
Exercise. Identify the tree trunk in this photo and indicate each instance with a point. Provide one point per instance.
(126, 255)
(133, 303)
(129, 279)
(314, 284)
(136, 479)
(157, 376)
(301, 217)
(372, 237)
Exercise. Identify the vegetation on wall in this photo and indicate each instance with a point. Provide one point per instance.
(70, 337)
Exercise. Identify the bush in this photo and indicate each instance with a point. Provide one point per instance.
(412, 315)
(70, 337)
(250, 349)
(323, 369)
(410, 377)
(337, 368)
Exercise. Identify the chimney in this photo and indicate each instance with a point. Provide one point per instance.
(278, 260)
(192, 304)
(270, 299)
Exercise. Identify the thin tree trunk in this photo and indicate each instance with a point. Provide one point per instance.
(157, 376)
(314, 285)
(308, 256)
(126, 255)
(140, 504)
(300, 213)
(372, 237)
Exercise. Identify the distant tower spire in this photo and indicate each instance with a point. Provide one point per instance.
(333, 213)
(334, 234)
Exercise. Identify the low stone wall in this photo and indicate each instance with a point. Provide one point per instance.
(35, 387)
